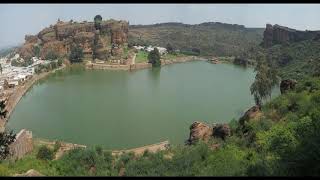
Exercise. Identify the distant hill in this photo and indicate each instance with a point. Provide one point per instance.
(7, 50)
(211, 38)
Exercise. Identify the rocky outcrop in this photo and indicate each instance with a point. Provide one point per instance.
(203, 132)
(29, 173)
(287, 84)
(251, 113)
(22, 145)
(221, 131)
(199, 131)
(280, 35)
(108, 41)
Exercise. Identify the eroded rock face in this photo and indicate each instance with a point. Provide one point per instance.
(221, 131)
(108, 41)
(202, 131)
(287, 84)
(280, 35)
(58, 47)
(250, 114)
(199, 131)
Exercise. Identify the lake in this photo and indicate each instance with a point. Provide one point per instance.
(120, 109)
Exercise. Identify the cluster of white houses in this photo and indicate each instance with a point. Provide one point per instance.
(162, 50)
(13, 75)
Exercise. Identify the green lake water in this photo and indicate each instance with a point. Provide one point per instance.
(120, 109)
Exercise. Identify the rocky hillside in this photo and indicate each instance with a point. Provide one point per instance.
(106, 41)
(211, 38)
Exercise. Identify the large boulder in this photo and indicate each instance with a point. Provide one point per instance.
(287, 84)
(199, 131)
(221, 131)
(29, 173)
(251, 113)
(204, 132)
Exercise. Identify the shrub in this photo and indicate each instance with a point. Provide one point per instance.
(45, 153)
(57, 146)
(154, 58)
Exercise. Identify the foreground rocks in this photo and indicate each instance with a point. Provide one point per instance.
(204, 132)
(29, 173)
(251, 113)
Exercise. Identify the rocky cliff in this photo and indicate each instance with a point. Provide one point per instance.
(107, 41)
(277, 34)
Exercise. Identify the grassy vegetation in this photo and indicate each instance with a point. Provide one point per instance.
(142, 56)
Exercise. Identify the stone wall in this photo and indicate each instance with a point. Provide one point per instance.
(22, 145)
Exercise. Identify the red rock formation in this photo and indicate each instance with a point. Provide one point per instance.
(199, 131)
(280, 35)
(62, 35)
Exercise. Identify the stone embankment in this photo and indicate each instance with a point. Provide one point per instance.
(135, 66)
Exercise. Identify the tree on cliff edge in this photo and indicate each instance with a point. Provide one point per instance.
(97, 22)
(154, 58)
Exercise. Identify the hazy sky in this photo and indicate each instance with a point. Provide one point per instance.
(19, 19)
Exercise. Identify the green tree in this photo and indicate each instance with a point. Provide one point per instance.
(6, 138)
(97, 22)
(265, 79)
(76, 54)
(154, 58)
(1, 68)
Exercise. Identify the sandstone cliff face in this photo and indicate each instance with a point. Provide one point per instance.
(280, 35)
(108, 41)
